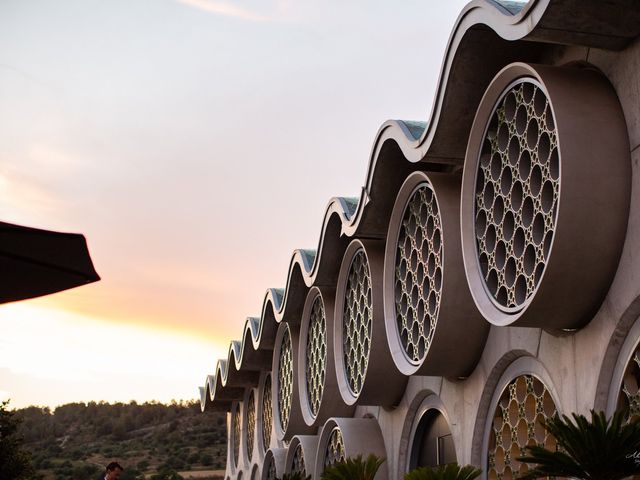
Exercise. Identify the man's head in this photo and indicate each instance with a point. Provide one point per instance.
(114, 470)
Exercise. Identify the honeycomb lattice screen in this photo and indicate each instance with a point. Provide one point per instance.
(251, 423)
(316, 355)
(523, 405)
(237, 430)
(516, 194)
(285, 379)
(297, 464)
(335, 449)
(629, 397)
(357, 322)
(418, 273)
(267, 413)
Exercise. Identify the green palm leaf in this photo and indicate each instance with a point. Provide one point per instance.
(599, 449)
(354, 469)
(452, 471)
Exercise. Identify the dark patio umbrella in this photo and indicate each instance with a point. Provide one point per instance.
(36, 262)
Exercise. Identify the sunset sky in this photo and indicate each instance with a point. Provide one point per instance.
(195, 143)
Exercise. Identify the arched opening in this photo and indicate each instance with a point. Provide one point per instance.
(432, 443)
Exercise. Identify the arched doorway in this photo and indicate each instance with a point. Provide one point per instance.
(432, 442)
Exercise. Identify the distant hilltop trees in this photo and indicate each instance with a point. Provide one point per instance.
(151, 439)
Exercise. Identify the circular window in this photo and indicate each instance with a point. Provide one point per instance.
(516, 194)
(335, 448)
(629, 396)
(285, 379)
(418, 273)
(357, 322)
(237, 429)
(316, 355)
(267, 413)
(533, 184)
(271, 469)
(517, 423)
(297, 465)
(251, 423)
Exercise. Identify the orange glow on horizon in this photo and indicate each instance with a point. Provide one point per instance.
(170, 316)
(71, 357)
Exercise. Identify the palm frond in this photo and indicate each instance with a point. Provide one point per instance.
(354, 468)
(596, 449)
(451, 471)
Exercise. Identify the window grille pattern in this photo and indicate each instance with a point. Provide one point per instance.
(316, 360)
(297, 464)
(237, 429)
(516, 195)
(267, 413)
(335, 448)
(285, 379)
(251, 423)
(357, 322)
(418, 273)
(629, 397)
(517, 422)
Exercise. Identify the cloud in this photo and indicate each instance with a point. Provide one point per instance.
(227, 9)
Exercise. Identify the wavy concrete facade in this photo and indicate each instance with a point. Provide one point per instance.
(484, 279)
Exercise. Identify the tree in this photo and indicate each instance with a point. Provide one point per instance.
(354, 469)
(599, 449)
(15, 463)
(451, 471)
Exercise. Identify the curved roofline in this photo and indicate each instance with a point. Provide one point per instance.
(485, 34)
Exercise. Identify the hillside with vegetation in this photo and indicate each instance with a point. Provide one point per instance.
(151, 440)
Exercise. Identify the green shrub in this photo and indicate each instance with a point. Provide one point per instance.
(354, 469)
(452, 471)
(600, 448)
